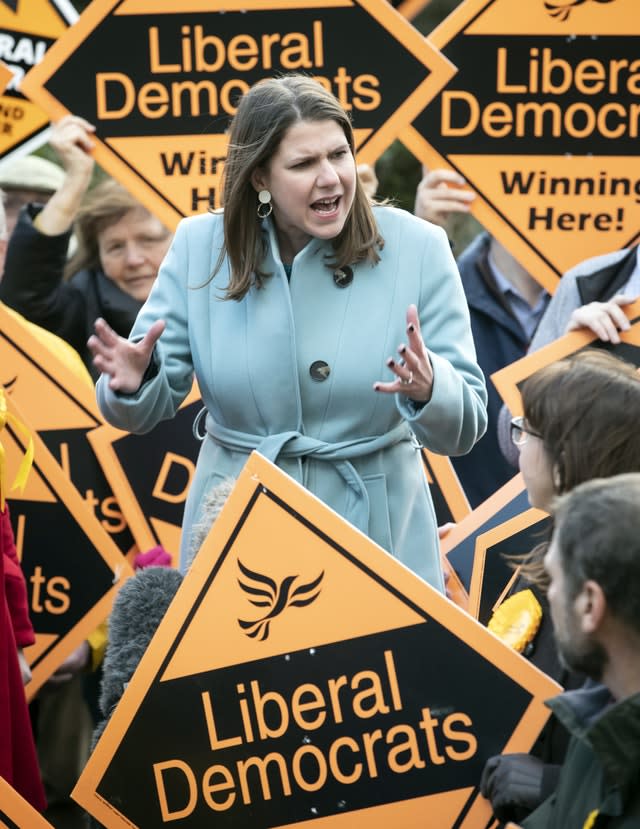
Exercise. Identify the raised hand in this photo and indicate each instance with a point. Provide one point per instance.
(72, 139)
(124, 361)
(414, 373)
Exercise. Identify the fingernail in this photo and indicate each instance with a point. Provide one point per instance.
(402, 349)
(376, 387)
(411, 328)
(390, 362)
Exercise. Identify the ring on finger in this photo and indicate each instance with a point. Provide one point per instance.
(409, 380)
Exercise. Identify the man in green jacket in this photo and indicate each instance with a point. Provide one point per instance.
(593, 564)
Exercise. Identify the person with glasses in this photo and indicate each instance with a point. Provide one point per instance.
(580, 422)
(520, 431)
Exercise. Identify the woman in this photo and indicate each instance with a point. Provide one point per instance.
(287, 307)
(580, 422)
(119, 249)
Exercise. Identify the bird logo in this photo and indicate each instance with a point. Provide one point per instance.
(561, 9)
(267, 593)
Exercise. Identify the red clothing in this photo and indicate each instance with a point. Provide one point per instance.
(18, 760)
(15, 586)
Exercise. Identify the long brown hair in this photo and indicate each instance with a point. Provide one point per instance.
(586, 408)
(104, 205)
(264, 115)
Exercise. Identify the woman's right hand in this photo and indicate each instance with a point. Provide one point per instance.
(605, 319)
(124, 361)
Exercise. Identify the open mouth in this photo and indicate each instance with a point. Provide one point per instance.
(327, 206)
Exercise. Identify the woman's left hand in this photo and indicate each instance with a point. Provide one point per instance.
(414, 372)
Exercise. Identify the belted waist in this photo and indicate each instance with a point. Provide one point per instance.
(294, 444)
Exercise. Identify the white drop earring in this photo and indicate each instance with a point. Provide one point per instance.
(264, 204)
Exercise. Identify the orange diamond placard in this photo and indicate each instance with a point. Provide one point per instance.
(543, 121)
(72, 568)
(163, 97)
(302, 675)
(28, 28)
(509, 379)
(16, 813)
(31, 372)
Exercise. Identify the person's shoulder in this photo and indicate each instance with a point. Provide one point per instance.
(202, 225)
(476, 246)
(595, 263)
(395, 219)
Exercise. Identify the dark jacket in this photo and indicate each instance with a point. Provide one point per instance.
(32, 284)
(552, 743)
(516, 787)
(606, 282)
(499, 340)
(601, 774)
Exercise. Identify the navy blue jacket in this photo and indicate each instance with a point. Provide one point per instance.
(499, 340)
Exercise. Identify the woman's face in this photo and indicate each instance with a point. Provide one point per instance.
(312, 181)
(131, 251)
(537, 471)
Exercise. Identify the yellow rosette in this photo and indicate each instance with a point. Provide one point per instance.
(517, 620)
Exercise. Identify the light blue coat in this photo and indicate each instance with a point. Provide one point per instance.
(351, 446)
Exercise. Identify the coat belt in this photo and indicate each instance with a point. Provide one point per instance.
(294, 444)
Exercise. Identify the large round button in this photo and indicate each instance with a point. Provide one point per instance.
(343, 276)
(319, 371)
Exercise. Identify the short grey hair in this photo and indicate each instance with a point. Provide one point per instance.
(597, 535)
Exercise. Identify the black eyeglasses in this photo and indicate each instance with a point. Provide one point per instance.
(520, 432)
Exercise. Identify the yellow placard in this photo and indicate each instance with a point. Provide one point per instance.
(411, 8)
(151, 474)
(508, 380)
(16, 813)
(72, 568)
(46, 379)
(303, 674)
(493, 575)
(459, 545)
(162, 101)
(450, 502)
(5, 76)
(542, 120)
(27, 30)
